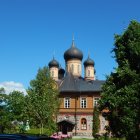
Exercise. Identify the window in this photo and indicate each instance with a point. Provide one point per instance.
(52, 73)
(83, 102)
(88, 72)
(83, 124)
(67, 102)
(96, 101)
(67, 67)
(72, 68)
(78, 68)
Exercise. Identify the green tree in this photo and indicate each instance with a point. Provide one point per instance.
(3, 112)
(16, 106)
(96, 121)
(2, 96)
(43, 100)
(121, 91)
(12, 107)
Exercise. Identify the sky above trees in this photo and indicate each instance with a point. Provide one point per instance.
(32, 31)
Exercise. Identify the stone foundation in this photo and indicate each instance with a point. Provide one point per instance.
(78, 131)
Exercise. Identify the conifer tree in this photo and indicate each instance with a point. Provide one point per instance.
(96, 121)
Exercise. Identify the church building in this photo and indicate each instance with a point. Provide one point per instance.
(79, 95)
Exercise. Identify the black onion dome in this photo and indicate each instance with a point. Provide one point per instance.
(89, 62)
(61, 71)
(53, 63)
(73, 53)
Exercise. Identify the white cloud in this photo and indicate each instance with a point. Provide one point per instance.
(10, 86)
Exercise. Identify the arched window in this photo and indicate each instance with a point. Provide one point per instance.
(72, 68)
(67, 67)
(52, 73)
(88, 72)
(78, 69)
(83, 124)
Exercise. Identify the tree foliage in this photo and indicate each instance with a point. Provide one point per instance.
(12, 108)
(3, 112)
(16, 105)
(96, 121)
(40, 106)
(43, 99)
(121, 91)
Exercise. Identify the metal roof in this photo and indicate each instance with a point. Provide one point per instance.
(66, 121)
(79, 84)
(73, 53)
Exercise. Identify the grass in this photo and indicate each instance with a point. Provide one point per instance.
(99, 139)
(36, 131)
(81, 139)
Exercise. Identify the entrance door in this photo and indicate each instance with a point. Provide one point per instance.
(65, 126)
(64, 129)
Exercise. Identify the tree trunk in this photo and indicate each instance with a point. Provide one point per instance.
(42, 128)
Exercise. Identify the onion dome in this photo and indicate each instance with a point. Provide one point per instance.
(89, 62)
(61, 71)
(73, 53)
(53, 63)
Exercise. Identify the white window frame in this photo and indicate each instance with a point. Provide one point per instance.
(78, 68)
(67, 102)
(83, 103)
(72, 68)
(88, 73)
(83, 124)
(95, 101)
(52, 73)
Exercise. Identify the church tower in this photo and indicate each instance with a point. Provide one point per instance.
(54, 67)
(73, 59)
(89, 69)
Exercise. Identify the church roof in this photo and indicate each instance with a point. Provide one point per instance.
(76, 84)
(66, 121)
(73, 53)
(53, 63)
(88, 62)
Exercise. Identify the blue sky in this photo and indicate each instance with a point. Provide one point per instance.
(32, 30)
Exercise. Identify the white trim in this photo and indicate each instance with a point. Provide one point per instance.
(83, 102)
(84, 126)
(95, 101)
(67, 104)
